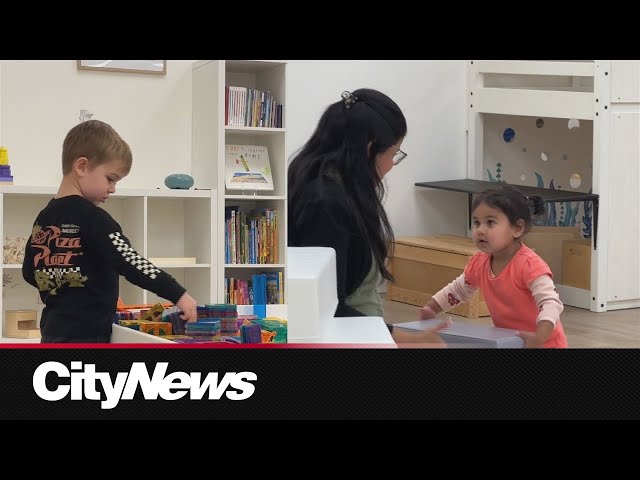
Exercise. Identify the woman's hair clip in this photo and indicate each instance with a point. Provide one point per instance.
(349, 99)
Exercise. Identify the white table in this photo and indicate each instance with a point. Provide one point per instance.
(362, 330)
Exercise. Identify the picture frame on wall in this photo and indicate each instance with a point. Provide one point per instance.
(151, 67)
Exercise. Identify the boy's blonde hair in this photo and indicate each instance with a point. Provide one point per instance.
(97, 141)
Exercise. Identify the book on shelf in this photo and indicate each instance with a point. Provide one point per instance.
(251, 237)
(247, 167)
(275, 293)
(248, 107)
(241, 292)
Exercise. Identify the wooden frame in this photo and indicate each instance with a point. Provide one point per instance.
(151, 67)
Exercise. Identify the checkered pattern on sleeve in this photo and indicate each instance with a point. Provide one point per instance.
(133, 257)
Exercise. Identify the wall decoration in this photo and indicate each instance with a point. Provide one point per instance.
(498, 177)
(508, 135)
(541, 157)
(575, 180)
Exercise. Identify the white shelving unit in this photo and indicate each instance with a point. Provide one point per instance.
(158, 222)
(210, 135)
(605, 93)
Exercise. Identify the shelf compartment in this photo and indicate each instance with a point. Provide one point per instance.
(197, 281)
(275, 144)
(471, 187)
(527, 67)
(174, 228)
(247, 205)
(535, 103)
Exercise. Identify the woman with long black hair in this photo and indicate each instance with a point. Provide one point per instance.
(336, 192)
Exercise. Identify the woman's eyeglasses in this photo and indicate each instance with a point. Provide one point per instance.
(398, 157)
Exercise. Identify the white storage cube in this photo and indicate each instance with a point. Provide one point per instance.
(312, 292)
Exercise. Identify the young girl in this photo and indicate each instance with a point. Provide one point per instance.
(515, 282)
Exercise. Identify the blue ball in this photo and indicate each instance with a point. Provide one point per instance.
(179, 180)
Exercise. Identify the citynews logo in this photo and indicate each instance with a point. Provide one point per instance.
(83, 379)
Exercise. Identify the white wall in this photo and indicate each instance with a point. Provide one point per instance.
(41, 101)
(431, 94)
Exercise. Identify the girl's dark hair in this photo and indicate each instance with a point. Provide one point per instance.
(515, 205)
(340, 146)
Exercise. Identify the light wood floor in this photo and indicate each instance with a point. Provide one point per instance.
(584, 329)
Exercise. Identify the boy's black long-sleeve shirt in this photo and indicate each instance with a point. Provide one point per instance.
(74, 257)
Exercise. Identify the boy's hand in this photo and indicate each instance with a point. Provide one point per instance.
(426, 313)
(188, 306)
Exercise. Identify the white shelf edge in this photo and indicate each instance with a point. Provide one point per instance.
(255, 197)
(574, 297)
(120, 193)
(265, 62)
(536, 67)
(245, 63)
(247, 130)
(183, 265)
(254, 265)
(29, 189)
(12, 265)
(622, 304)
(251, 66)
(172, 193)
(19, 340)
(538, 103)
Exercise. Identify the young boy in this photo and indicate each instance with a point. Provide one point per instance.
(77, 251)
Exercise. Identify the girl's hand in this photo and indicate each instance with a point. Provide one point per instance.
(428, 338)
(531, 340)
(431, 335)
(426, 313)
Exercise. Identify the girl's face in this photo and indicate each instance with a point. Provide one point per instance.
(384, 160)
(491, 231)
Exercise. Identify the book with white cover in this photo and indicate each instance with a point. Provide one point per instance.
(247, 167)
